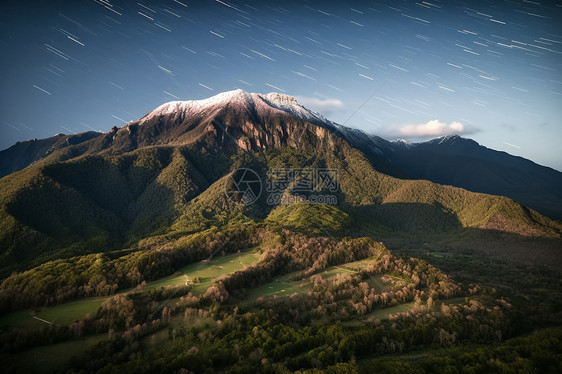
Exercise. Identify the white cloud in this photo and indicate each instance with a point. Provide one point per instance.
(324, 106)
(432, 129)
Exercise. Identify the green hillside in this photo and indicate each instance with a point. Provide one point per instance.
(93, 203)
(98, 203)
(142, 261)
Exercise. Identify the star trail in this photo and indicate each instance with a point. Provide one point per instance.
(490, 71)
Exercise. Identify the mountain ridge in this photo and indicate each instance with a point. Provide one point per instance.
(465, 163)
(450, 160)
(167, 177)
(24, 153)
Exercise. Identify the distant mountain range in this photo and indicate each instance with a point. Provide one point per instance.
(460, 162)
(22, 154)
(464, 163)
(166, 174)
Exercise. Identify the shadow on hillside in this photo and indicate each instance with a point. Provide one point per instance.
(539, 251)
(89, 206)
(405, 217)
(413, 227)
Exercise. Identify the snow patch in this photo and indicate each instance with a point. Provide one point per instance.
(274, 100)
(195, 106)
(290, 105)
(446, 138)
(403, 142)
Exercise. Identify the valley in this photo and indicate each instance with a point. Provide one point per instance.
(480, 280)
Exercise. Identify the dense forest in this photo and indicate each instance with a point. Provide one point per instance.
(356, 307)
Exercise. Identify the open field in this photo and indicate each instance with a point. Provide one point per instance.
(50, 358)
(284, 286)
(380, 314)
(67, 313)
(207, 271)
(62, 314)
(279, 286)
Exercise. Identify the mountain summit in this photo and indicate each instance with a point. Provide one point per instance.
(230, 119)
(236, 99)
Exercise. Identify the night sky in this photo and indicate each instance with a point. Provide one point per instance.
(490, 71)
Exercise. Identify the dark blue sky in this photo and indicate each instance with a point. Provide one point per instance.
(486, 70)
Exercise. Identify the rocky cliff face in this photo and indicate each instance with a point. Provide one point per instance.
(232, 119)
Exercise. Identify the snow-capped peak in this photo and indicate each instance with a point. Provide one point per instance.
(274, 100)
(191, 105)
(402, 141)
(290, 105)
(447, 138)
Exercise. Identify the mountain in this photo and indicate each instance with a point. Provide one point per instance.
(25, 153)
(166, 175)
(460, 162)
(450, 160)
(464, 163)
